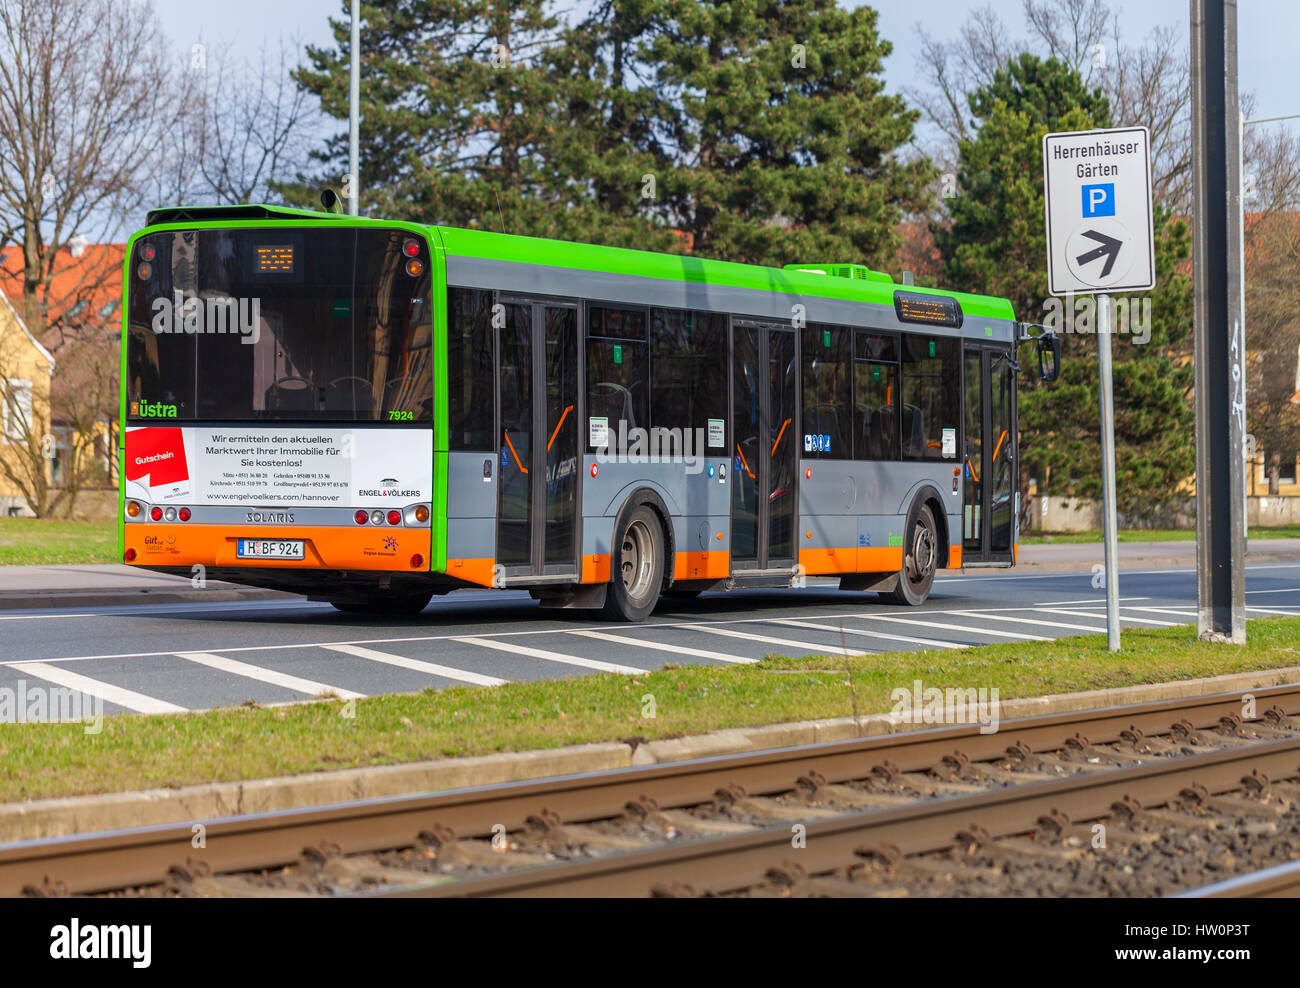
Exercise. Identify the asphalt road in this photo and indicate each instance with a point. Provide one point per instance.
(172, 657)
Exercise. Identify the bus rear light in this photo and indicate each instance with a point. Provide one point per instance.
(144, 271)
(185, 514)
(394, 517)
(362, 516)
(417, 561)
(376, 517)
(147, 252)
(414, 267)
(170, 514)
(133, 509)
(410, 248)
(421, 513)
(130, 555)
(155, 513)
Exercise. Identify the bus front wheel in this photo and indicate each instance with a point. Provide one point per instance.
(637, 566)
(920, 560)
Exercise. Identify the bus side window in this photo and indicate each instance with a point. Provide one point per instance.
(931, 385)
(875, 396)
(471, 380)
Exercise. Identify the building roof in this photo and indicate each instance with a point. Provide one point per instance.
(86, 286)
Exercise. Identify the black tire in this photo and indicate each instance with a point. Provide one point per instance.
(404, 605)
(920, 560)
(636, 566)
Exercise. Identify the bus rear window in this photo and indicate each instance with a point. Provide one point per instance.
(296, 324)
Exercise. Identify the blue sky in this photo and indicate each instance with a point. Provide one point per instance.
(1267, 32)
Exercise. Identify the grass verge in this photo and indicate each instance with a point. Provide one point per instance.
(135, 752)
(1154, 535)
(42, 542)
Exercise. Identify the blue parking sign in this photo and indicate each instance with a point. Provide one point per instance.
(1099, 200)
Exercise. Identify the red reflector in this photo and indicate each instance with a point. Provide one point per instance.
(593, 469)
(410, 248)
(147, 252)
(185, 514)
(156, 514)
(394, 517)
(362, 516)
(807, 473)
(130, 555)
(417, 561)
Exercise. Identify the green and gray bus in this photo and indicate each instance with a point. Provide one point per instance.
(372, 412)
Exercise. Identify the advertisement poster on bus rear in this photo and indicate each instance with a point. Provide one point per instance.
(239, 465)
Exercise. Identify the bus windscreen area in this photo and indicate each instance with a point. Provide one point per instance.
(295, 324)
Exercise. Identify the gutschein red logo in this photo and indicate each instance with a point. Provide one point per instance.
(157, 453)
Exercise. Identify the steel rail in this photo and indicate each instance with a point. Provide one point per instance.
(1281, 881)
(729, 863)
(143, 855)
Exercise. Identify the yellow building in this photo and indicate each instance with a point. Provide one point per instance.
(26, 370)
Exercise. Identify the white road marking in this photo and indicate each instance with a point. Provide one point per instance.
(1102, 616)
(1023, 620)
(933, 626)
(431, 668)
(128, 699)
(702, 653)
(1266, 610)
(928, 642)
(807, 647)
(42, 617)
(237, 668)
(1190, 613)
(539, 653)
(1090, 600)
(1286, 590)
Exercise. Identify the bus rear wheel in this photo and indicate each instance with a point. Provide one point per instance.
(920, 560)
(637, 566)
(403, 605)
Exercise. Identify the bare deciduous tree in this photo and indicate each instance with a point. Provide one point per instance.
(84, 91)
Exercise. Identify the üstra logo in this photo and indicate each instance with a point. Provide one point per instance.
(152, 410)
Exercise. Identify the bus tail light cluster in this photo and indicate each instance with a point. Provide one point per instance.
(157, 513)
(417, 515)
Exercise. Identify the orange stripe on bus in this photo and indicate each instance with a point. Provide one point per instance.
(954, 557)
(368, 547)
(595, 568)
(998, 448)
(480, 571)
(702, 565)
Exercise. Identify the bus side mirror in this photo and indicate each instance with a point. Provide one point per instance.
(1049, 345)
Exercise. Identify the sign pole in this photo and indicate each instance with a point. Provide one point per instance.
(1219, 337)
(1108, 471)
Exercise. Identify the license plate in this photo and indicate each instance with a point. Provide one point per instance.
(270, 549)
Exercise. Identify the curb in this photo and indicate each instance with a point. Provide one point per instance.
(47, 818)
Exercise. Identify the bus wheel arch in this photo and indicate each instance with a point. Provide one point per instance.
(927, 525)
(641, 526)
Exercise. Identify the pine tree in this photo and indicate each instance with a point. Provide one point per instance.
(782, 141)
(996, 243)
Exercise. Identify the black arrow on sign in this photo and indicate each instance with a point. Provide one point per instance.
(1109, 249)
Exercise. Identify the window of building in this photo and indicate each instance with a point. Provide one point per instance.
(15, 410)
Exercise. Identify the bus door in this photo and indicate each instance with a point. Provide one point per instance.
(537, 388)
(765, 463)
(990, 492)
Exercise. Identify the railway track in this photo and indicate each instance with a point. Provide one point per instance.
(877, 816)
